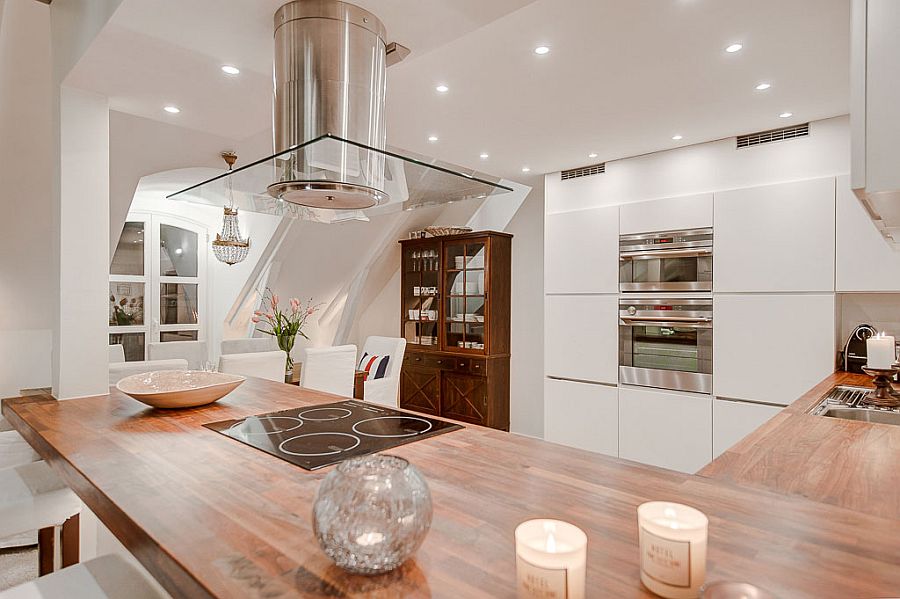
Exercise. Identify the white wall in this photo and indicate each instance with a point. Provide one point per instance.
(712, 166)
(27, 286)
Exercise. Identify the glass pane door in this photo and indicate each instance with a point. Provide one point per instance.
(128, 321)
(420, 296)
(465, 304)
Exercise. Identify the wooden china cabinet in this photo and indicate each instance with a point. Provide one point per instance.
(455, 301)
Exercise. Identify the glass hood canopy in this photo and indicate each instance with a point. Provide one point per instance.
(329, 179)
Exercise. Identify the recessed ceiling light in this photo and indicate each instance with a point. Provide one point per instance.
(484, 156)
(763, 86)
(230, 69)
(785, 115)
(592, 155)
(442, 88)
(541, 50)
(734, 48)
(172, 109)
(432, 138)
(676, 137)
(526, 169)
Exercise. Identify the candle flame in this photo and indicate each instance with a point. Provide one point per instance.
(551, 543)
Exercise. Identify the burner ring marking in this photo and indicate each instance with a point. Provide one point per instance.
(301, 414)
(237, 425)
(357, 431)
(310, 455)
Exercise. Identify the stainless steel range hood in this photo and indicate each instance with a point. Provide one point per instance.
(329, 132)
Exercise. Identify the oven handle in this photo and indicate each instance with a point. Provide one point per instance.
(672, 321)
(652, 254)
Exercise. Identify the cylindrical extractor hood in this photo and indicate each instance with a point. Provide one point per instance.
(329, 79)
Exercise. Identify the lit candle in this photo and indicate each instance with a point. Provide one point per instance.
(550, 560)
(673, 548)
(880, 352)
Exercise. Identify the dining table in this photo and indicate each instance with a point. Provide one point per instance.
(208, 516)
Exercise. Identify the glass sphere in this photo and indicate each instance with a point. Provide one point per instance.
(372, 513)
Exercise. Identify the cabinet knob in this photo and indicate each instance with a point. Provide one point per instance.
(418, 359)
(477, 366)
(440, 361)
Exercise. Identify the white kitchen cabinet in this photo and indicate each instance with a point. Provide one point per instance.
(665, 428)
(864, 259)
(582, 253)
(772, 348)
(669, 214)
(582, 415)
(582, 337)
(734, 420)
(775, 238)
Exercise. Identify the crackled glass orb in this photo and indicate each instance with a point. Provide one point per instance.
(372, 513)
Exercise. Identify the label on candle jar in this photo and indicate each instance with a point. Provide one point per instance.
(536, 582)
(666, 560)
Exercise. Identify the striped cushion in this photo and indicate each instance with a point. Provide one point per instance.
(374, 366)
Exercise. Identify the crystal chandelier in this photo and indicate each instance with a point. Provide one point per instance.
(228, 246)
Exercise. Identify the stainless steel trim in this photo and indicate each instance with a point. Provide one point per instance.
(584, 381)
(666, 301)
(661, 234)
(697, 319)
(327, 194)
(676, 380)
(679, 286)
(657, 253)
(687, 323)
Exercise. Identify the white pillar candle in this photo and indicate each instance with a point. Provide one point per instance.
(551, 558)
(673, 548)
(880, 352)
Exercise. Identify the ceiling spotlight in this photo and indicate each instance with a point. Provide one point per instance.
(172, 109)
(484, 155)
(230, 69)
(541, 50)
(592, 155)
(432, 138)
(734, 48)
(442, 88)
(676, 137)
(786, 115)
(526, 169)
(763, 86)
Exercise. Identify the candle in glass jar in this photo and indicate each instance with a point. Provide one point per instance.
(551, 557)
(880, 352)
(673, 548)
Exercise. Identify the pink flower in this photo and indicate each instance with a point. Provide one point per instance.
(255, 319)
(259, 313)
(310, 310)
(295, 305)
(274, 300)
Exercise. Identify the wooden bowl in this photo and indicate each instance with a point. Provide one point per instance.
(179, 388)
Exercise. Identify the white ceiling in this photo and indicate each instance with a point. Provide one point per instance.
(622, 76)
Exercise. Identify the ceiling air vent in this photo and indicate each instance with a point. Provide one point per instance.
(765, 137)
(584, 171)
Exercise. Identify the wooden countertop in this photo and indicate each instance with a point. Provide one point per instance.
(211, 517)
(841, 462)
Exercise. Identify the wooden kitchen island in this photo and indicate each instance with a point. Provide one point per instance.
(211, 517)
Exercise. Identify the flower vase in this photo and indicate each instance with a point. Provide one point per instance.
(286, 344)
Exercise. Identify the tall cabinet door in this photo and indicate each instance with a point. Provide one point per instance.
(582, 340)
(582, 415)
(772, 348)
(775, 238)
(582, 251)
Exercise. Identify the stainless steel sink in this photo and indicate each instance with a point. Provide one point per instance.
(864, 415)
(848, 403)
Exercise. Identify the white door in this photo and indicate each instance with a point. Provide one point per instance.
(157, 283)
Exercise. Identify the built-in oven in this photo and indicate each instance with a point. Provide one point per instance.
(672, 261)
(666, 343)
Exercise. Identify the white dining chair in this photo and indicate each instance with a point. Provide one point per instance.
(33, 498)
(248, 345)
(106, 577)
(116, 353)
(329, 369)
(382, 387)
(15, 450)
(265, 365)
(194, 352)
(117, 372)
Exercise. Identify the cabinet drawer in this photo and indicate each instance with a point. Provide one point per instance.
(468, 365)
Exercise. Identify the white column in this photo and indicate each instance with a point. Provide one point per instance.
(80, 344)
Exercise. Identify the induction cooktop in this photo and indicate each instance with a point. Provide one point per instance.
(313, 437)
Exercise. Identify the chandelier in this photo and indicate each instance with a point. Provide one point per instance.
(228, 246)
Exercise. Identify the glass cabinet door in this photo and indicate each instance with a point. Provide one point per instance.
(465, 299)
(420, 294)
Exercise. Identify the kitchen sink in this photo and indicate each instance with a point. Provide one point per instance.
(878, 416)
(848, 403)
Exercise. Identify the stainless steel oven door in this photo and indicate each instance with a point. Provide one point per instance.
(671, 261)
(666, 345)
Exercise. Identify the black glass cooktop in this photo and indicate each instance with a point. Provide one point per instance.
(318, 436)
